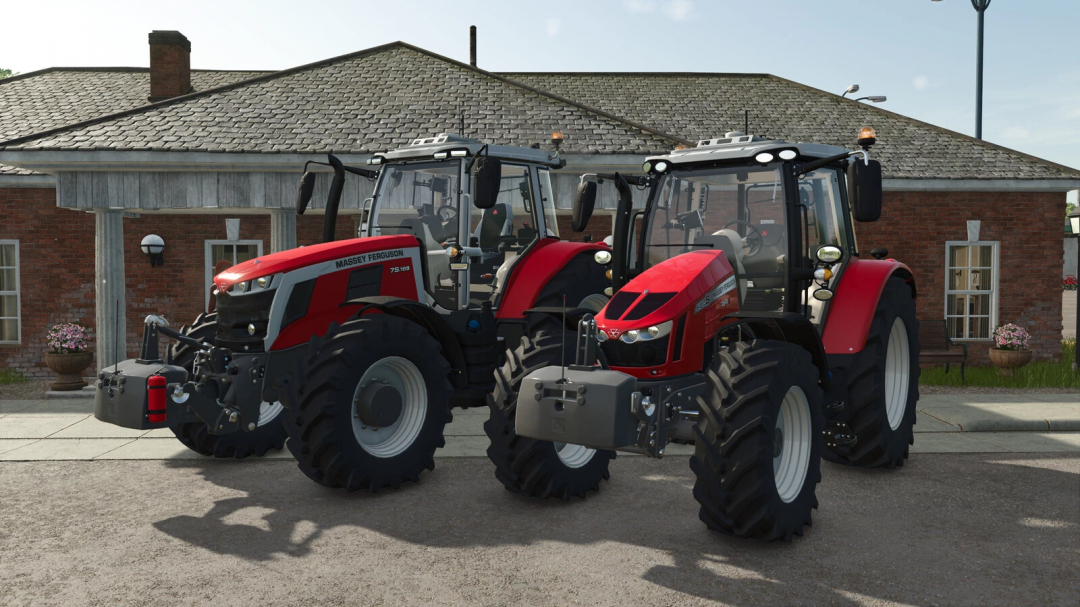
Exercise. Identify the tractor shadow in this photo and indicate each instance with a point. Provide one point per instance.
(953, 529)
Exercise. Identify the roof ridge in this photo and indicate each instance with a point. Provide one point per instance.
(195, 95)
(942, 129)
(543, 93)
(329, 61)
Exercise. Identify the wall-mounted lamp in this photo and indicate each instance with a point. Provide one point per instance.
(154, 247)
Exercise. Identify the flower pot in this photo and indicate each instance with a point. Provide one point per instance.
(69, 368)
(1007, 360)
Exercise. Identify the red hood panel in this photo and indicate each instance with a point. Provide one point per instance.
(293, 259)
(690, 276)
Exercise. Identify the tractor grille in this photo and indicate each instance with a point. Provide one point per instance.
(649, 353)
(235, 313)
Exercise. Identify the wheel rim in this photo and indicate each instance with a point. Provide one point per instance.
(397, 437)
(897, 374)
(791, 444)
(574, 456)
(268, 412)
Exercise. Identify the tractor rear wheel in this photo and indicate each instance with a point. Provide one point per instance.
(270, 433)
(883, 385)
(757, 454)
(372, 406)
(527, 466)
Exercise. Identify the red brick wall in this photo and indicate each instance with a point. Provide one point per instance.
(56, 248)
(56, 251)
(914, 227)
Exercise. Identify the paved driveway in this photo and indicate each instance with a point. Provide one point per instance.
(978, 529)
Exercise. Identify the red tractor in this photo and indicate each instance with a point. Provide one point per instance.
(356, 351)
(743, 320)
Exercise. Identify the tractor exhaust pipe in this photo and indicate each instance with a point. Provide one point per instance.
(329, 225)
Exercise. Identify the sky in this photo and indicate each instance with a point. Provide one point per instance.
(919, 53)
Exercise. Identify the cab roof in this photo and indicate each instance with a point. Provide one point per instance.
(425, 148)
(738, 146)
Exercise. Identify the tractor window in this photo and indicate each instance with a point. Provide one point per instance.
(421, 199)
(740, 211)
(547, 201)
(501, 232)
(820, 192)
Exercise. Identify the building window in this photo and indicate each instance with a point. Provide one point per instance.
(971, 288)
(9, 292)
(231, 251)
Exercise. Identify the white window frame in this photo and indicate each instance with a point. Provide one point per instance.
(208, 250)
(17, 293)
(995, 271)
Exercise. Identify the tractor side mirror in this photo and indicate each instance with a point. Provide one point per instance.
(864, 190)
(303, 195)
(584, 202)
(487, 179)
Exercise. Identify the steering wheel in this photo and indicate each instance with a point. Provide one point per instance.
(752, 240)
(447, 213)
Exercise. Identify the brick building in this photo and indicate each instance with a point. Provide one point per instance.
(93, 160)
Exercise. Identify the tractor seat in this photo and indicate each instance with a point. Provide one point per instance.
(730, 243)
(494, 225)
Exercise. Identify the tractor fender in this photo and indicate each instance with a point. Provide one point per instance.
(426, 317)
(852, 308)
(283, 367)
(790, 327)
(530, 275)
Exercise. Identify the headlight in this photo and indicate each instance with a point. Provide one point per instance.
(251, 329)
(651, 333)
(242, 286)
(602, 257)
(787, 154)
(661, 166)
(601, 336)
(764, 158)
(262, 282)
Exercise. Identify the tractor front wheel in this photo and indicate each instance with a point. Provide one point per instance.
(372, 405)
(757, 454)
(527, 466)
(269, 433)
(883, 385)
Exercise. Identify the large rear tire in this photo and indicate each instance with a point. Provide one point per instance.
(883, 385)
(757, 456)
(527, 466)
(270, 433)
(356, 365)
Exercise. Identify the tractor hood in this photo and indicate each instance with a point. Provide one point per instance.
(658, 295)
(346, 252)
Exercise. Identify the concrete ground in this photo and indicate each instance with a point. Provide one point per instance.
(65, 429)
(946, 529)
(985, 512)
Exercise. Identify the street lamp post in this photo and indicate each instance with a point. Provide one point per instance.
(980, 7)
(873, 98)
(1074, 223)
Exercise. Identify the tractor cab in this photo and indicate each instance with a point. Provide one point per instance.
(475, 208)
(760, 202)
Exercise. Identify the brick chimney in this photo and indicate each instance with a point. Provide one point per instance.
(170, 65)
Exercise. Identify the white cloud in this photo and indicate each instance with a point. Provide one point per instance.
(920, 83)
(553, 26)
(678, 9)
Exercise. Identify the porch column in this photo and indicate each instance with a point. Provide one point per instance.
(109, 287)
(282, 230)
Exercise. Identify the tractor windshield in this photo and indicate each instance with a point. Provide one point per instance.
(739, 210)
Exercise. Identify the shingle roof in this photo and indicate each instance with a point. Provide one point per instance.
(701, 106)
(46, 99)
(372, 100)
